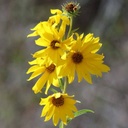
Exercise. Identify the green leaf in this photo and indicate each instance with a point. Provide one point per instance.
(53, 90)
(83, 111)
(74, 30)
(79, 113)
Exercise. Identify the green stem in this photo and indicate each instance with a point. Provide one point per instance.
(65, 84)
(61, 125)
(70, 28)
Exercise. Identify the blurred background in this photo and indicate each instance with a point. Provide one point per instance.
(108, 96)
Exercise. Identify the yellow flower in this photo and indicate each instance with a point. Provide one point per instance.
(49, 73)
(58, 107)
(55, 19)
(52, 21)
(51, 37)
(52, 42)
(84, 60)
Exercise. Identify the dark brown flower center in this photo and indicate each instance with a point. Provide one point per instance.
(58, 101)
(53, 44)
(77, 57)
(51, 68)
(71, 7)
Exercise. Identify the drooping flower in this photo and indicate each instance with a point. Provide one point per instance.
(53, 21)
(47, 70)
(84, 60)
(58, 106)
(58, 17)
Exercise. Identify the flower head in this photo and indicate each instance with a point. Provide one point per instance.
(54, 46)
(58, 107)
(48, 72)
(53, 21)
(84, 60)
(71, 8)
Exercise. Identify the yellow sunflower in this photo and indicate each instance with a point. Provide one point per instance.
(52, 21)
(84, 60)
(58, 107)
(52, 42)
(48, 72)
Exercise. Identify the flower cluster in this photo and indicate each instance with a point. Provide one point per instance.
(63, 54)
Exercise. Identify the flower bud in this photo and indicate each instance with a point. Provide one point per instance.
(71, 8)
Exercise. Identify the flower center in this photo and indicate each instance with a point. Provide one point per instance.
(71, 7)
(77, 57)
(51, 68)
(53, 44)
(58, 101)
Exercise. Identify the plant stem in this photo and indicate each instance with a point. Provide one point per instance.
(62, 125)
(70, 28)
(65, 84)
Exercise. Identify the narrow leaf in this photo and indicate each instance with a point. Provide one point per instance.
(79, 113)
(74, 30)
(83, 111)
(53, 90)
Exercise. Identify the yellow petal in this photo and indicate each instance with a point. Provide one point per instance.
(40, 83)
(56, 117)
(53, 11)
(36, 73)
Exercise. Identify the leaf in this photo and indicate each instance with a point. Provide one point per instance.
(83, 111)
(80, 112)
(53, 90)
(74, 30)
